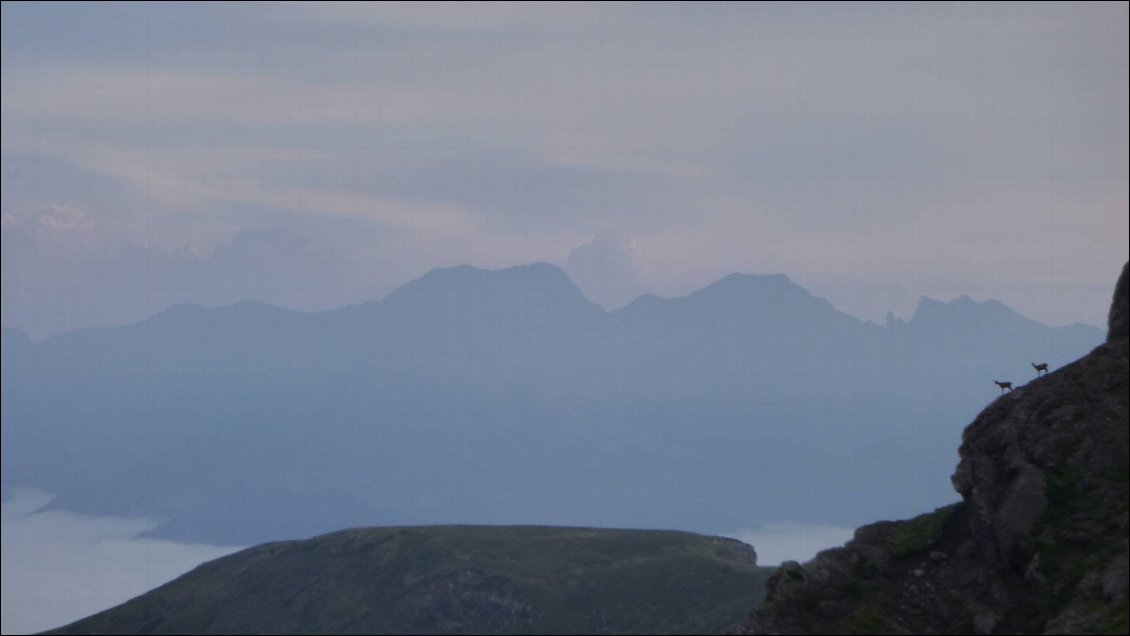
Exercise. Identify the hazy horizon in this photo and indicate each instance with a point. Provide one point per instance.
(37, 334)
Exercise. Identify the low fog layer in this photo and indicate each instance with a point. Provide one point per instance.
(59, 567)
(784, 541)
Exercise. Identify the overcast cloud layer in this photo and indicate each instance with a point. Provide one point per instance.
(312, 155)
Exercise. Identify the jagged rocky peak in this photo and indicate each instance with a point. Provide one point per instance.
(1119, 320)
(1038, 543)
(964, 312)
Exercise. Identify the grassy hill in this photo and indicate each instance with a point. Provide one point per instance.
(457, 579)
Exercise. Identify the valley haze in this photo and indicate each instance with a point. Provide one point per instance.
(505, 396)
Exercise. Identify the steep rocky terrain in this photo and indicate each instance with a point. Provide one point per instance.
(1038, 543)
(453, 580)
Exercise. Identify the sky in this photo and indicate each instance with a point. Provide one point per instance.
(318, 154)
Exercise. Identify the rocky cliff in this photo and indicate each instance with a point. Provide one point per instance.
(1038, 543)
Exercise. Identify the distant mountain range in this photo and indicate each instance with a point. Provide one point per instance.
(475, 396)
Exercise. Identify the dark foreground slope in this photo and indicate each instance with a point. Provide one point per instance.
(1038, 543)
(456, 579)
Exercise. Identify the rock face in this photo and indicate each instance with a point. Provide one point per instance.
(1119, 321)
(1038, 543)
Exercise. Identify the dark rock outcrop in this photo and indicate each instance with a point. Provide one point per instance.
(1119, 321)
(1038, 543)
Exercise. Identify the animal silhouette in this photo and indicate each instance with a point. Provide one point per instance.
(1003, 385)
(1040, 368)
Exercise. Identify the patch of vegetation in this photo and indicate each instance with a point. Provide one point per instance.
(1116, 618)
(794, 573)
(959, 606)
(856, 590)
(1062, 492)
(865, 568)
(1052, 557)
(920, 533)
(1121, 479)
(872, 619)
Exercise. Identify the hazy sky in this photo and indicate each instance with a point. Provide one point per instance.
(316, 154)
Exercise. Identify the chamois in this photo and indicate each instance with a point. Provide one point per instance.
(1003, 385)
(1040, 368)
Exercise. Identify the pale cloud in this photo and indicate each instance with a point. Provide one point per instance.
(455, 16)
(668, 93)
(437, 219)
(199, 177)
(52, 217)
(606, 268)
(181, 98)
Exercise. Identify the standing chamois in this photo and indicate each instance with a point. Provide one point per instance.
(1040, 368)
(1003, 385)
